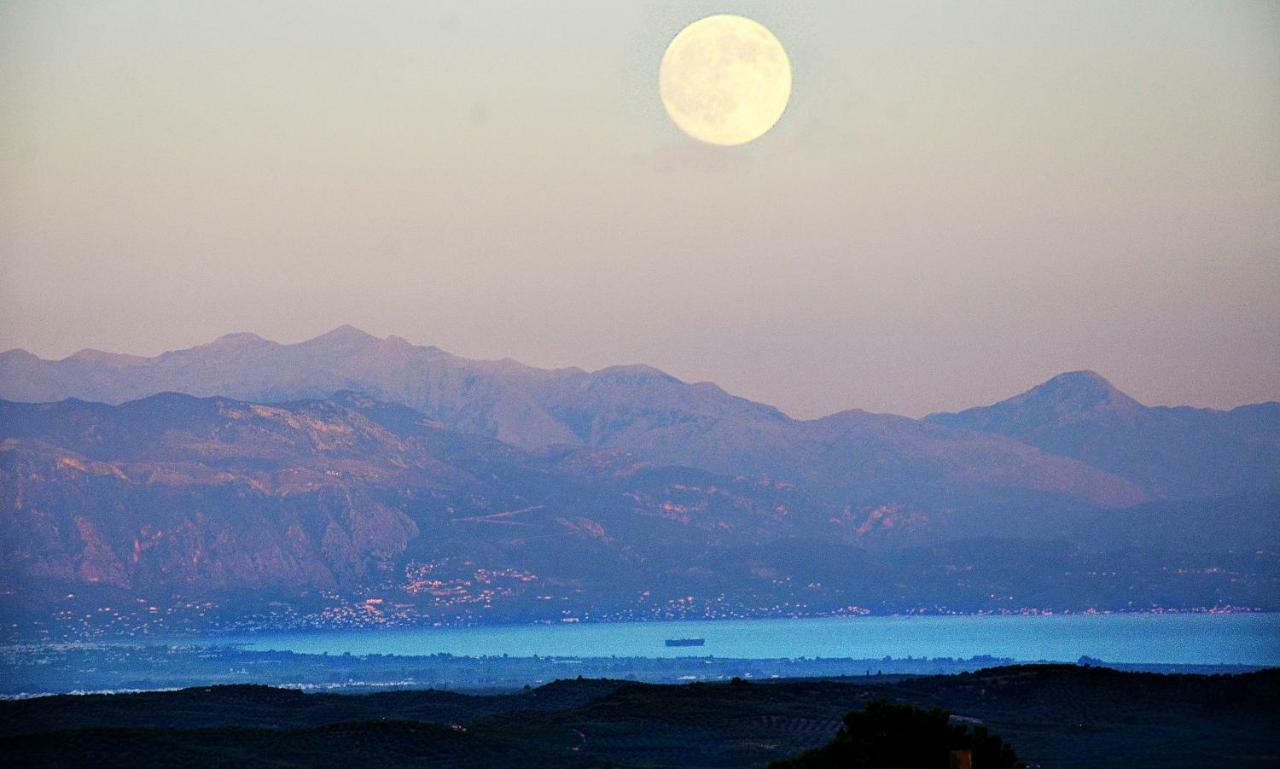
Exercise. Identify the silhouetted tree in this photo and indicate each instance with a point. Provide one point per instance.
(887, 735)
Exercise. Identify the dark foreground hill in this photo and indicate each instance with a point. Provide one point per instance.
(1055, 716)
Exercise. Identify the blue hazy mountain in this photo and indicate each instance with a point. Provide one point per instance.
(635, 408)
(1170, 452)
(348, 468)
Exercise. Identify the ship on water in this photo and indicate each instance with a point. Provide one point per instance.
(686, 641)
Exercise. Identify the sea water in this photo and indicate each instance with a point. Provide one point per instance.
(1241, 639)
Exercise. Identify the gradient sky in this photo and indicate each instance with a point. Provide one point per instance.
(962, 199)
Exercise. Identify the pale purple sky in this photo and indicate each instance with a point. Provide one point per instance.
(961, 200)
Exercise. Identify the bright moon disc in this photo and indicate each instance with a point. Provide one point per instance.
(725, 80)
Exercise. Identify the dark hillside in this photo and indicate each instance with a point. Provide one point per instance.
(1055, 716)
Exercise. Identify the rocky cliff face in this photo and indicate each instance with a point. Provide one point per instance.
(216, 494)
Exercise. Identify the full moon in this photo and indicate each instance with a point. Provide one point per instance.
(725, 80)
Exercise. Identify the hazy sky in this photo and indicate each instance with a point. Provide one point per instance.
(961, 200)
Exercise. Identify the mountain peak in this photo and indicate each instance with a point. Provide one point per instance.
(1082, 390)
(17, 353)
(344, 338)
(633, 374)
(1066, 399)
(1082, 376)
(347, 333)
(90, 355)
(227, 343)
(238, 339)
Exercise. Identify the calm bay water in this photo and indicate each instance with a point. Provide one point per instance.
(1246, 639)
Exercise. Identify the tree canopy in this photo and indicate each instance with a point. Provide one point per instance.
(884, 734)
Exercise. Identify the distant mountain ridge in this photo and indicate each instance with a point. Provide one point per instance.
(851, 456)
(359, 512)
(1177, 452)
(349, 480)
(1075, 435)
(518, 404)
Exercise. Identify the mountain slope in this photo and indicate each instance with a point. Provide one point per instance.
(853, 457)
(1169, 452)
(1244, 523)
(174, 492)
(501, 399)
(176, 512)
(475, 398)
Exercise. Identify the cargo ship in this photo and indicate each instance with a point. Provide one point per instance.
(686, 641)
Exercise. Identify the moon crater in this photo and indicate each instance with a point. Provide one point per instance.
(725, 80)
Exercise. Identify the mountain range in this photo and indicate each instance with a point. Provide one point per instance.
(347, 465)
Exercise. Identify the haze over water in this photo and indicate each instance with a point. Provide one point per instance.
(1238, 639)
